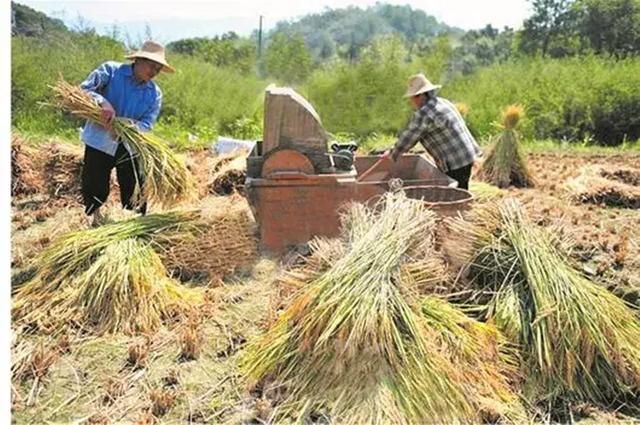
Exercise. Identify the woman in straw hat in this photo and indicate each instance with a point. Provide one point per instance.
(122, 90)
(438, 125)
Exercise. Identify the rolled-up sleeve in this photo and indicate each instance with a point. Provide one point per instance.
(97, 80)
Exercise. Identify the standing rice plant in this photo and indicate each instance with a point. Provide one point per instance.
(353, 345)
(164, 179)
(505, 164)
(579, 342)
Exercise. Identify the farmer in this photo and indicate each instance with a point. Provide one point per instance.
(438, 125)
(122, 90)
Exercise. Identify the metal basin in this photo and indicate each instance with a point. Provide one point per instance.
(445, 201)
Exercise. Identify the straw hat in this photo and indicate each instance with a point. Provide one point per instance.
(419, 84)
(152, 51)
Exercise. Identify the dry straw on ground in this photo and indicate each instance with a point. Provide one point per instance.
(505, 164)
(230, 175)
(615, 188)
(62, 170)
(355, 345)
(578, 340)
(166, 178)
(25, 179)
(227, 241)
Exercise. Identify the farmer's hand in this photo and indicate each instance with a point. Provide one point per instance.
(392, 154)
(108, 114)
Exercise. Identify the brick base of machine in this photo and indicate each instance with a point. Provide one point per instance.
(293, 210)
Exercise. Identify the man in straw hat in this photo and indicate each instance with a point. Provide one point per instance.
(122, 90)
(438, 125)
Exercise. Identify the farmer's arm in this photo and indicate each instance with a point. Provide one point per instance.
(411, 134)
(95, 83)
(150, 116)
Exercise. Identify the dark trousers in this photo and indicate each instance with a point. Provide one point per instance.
(461, 175)
(96, 173)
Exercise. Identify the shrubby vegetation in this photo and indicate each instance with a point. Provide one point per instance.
(574, 67)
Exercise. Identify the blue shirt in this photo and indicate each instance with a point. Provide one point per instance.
(130, 98)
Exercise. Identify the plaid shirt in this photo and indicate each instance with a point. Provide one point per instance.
(441, 129)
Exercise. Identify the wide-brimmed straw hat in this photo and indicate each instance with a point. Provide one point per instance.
(153, 51)
(419, 84)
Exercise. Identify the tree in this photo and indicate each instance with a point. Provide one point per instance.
(550, 28)
(482, 48)
(611, 26)
(435, 57)
(288, 58)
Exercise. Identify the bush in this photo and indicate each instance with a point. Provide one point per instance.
(577, 99)
(361, 98)
(199, 99)
(37, 63)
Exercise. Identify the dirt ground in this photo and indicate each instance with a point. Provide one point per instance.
(92, 379)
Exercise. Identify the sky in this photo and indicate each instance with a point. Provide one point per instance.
(171, 20)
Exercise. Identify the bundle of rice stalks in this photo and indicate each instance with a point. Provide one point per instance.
(487, 362)
(483, 192)
(63, 170)
(107, 279)
(505, 163)
(354, 345)
(463, 108)
(25, 180)
(578, 341)
(230, 177)
(227, 242)
(166, 178)
(593, 185)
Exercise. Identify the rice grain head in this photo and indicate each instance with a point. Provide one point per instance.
(511, 116)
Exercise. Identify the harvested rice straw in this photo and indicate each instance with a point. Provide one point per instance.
(486, 361)
(226, 243)
(165, 179)
(62, 170)
(483, 192)
(126, 289)
(463, 109)
(351, 346)
(25, 179)
(578, 340)
(593, 186)
(72, 254)
(230, 177)
(623, 174)
(505, 164)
